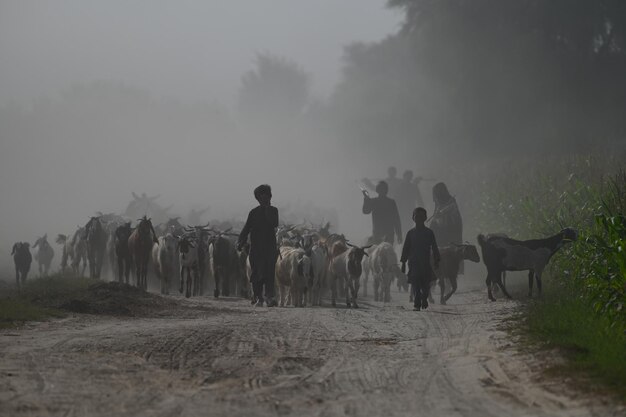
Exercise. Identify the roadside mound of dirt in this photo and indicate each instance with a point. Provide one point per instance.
(116, 299)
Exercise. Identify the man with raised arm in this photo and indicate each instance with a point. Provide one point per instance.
(385, 217)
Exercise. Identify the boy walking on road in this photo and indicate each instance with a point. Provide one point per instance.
(261, 226)
(419, 243)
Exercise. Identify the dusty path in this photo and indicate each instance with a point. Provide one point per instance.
(377, 360)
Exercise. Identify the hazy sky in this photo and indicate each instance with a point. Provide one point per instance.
(61, 166)
(189, 49)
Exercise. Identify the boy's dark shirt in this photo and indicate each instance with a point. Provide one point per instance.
(385, 217)
(261, 224)
(416, 250)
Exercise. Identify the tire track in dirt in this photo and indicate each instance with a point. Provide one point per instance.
(379, 359)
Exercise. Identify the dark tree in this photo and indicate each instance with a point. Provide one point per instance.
(275, 92)
(485, 74)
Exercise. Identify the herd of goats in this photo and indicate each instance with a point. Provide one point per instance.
(312, 261)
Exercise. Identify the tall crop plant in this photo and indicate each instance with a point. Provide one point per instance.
(529, 201)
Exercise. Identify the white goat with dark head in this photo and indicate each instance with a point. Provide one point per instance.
(164, 260)
(44, 254)
(293, 273)
(347, 268)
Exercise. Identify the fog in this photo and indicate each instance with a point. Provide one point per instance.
(198, 102)
(101, 99)
(189, 49)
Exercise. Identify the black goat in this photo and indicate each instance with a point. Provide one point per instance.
(503, 254)
(451, 258)
(22, 259)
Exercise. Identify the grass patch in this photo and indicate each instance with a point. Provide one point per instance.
(52, 296)
(55, 290)
(15, 311)
(590, 341)
(40, 299)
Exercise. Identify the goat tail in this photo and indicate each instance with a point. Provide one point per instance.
(61, 239)
(482, 240)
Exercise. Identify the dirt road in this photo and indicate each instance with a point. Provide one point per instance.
(226, 358)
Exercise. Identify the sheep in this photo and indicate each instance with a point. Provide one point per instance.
(503, 254)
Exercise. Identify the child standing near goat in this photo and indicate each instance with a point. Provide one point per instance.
(261, 226)
(419, 243)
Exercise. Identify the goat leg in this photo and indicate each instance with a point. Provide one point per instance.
(453, 284)
(442, 290)
(538, 277)
(504, 291)
(355, 291)
(333, 290)
(489, 293)
(216, 292)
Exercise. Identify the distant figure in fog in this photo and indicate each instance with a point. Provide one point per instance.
(408, 198)
(194, 218)
(261, 226)
(385, 217)
(418, 245)
(139, 203)
(393, 183)
(446, 222)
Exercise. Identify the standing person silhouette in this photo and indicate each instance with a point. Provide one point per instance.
(446, 222)
(261, 226)
(408, 197)
(393, 183)
(385, 217)
(418, 245)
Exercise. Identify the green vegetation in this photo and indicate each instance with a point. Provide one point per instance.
(14, 311)
(590, 341)
(53, 296)
(583, 308)
(40, 299)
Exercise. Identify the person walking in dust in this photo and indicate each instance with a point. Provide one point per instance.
(408, 197)
(261, 226)
(385, 217)
(418, 245)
